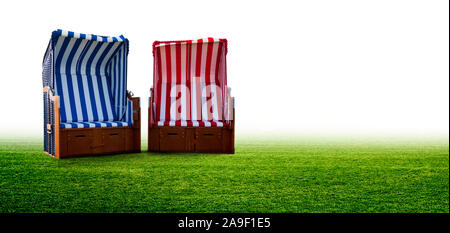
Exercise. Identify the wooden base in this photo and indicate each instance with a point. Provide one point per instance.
(98, 141)
(191, 139)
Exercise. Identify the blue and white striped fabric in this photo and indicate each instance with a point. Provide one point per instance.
(128, 121)
(93, 124)
(90, 76)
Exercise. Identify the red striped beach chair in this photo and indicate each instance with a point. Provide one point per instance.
(190, 106)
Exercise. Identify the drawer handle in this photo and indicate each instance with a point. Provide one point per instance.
(80, 136)
(172, 134)
(208, 134)
(113, 134)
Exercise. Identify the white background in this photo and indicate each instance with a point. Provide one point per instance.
(300, 67)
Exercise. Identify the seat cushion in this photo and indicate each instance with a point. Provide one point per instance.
(94, 124)
(192, 123)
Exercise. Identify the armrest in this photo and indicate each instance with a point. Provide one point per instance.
(229, 115)
(134, 115)
(231, 109)
(48, 90)
(135, 107)
(151, 116)
(150, 112)
(55, 100)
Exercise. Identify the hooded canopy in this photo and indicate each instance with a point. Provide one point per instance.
(89, 74)
(189, 82)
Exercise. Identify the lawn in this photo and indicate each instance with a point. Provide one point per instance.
(263, 176)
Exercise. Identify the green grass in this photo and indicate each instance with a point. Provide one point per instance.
(263, 176)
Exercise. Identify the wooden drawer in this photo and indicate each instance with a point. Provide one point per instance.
(113, 140)
(173, 139)
(209, 140)
(79, 142)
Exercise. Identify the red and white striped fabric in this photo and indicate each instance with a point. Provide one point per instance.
(190, 83)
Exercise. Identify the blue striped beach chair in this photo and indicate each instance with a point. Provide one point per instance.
(87, 108)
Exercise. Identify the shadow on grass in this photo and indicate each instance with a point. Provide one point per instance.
(142, 157)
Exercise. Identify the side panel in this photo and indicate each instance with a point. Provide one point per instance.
(47, 81)
(153, 139)
(136, 128)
